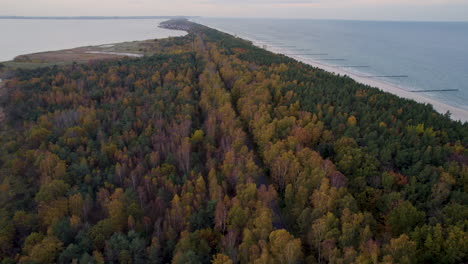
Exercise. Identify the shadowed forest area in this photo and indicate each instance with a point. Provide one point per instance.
(215, 151)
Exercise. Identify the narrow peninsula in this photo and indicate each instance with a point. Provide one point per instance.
(208, 149)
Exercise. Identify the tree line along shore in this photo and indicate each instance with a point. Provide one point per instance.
(212, 150)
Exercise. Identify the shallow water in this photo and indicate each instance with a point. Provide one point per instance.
(22, 36)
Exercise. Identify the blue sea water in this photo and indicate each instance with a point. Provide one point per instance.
(433, 55)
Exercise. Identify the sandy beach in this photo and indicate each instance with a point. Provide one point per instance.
(457, 113)
(116, 53)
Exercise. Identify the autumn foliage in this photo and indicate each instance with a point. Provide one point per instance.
(215, 151)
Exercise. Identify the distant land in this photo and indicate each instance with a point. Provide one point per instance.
(94, 17)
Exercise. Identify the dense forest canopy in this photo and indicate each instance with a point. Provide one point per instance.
(216, 151)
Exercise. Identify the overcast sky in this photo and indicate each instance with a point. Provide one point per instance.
(446, 10)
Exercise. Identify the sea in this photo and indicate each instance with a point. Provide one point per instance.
(415, 56)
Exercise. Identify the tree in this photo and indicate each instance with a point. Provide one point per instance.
(50, 213)
(52, 191)
(262, 224)
(322, 229)
(401, 250)
(115, 246)
(455, 245)
(52, 167)
(197, 136)
(72, 252)
(352, 121)
(76, 204)
(404, 218)
(221, 259)
(285, 248)
(117, 210)
(46, 251)
(183, 155)
(220, 216)
(7, 231)
(285, 169)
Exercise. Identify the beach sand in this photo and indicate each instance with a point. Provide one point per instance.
(116, 53)
(456, 113)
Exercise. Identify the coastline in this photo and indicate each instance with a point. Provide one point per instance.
(105, 51)
(84, 54)
(457, 114)
(92, 33)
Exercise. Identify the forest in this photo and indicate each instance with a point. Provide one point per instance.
(216, 151)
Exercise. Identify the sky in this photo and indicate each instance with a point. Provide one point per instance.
(422, 10)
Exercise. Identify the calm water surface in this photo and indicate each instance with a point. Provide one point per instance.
(21, 36)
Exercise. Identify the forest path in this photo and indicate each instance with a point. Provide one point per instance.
(263, 178)
(278, 221)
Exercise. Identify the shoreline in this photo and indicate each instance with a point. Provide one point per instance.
(457, 113)
(151, 30)
(84, 54)
(116, 53)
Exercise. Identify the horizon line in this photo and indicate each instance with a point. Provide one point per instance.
(227, 17)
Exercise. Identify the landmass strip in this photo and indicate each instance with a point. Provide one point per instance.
(456, 113)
